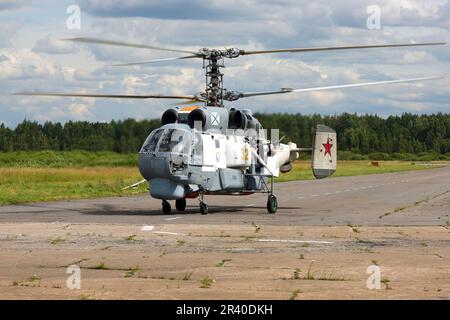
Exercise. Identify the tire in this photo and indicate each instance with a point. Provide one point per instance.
(166, 207)
(180, 204)
(272, 204)
(203, 208)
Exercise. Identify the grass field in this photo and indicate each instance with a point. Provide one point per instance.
(64, 159)
(48, 175)
(302, 169)
(18, 185)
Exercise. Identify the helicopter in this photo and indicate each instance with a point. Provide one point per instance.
(212, 149)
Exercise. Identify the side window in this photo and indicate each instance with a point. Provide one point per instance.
(217, 144)
(197, 150)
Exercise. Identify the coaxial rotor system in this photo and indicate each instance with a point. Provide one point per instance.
(214, 93)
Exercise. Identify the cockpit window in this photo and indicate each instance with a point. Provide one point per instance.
(170, 139)
(152, 141)
(167, 140)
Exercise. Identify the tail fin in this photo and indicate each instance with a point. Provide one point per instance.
(324, 152)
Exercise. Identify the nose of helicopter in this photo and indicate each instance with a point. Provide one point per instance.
(152, 167)
(157, 171)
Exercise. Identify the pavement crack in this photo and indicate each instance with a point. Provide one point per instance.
(417, 203)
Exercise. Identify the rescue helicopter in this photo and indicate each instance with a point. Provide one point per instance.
(208, 148)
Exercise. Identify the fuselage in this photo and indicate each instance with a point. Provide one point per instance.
(213, 154)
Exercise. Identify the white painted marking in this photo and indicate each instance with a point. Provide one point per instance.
(294, 241)
(299, 197)
(315, 195)
(327, 193)
(249, 205)
(174, 218)
(147, 228)
(170, 233)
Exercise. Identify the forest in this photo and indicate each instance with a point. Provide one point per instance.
(404, 136)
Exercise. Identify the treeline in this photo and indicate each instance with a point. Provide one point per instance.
(358, 134)
(119, 136)
(365, 134)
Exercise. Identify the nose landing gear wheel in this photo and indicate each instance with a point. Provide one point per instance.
(203, 208)
(166, 207)
(180, 204)
(272, 204)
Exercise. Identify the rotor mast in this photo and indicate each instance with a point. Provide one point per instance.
(213, 60)
(214, 79)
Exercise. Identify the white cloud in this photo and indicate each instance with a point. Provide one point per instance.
(58, 66)
(79, 110)
(327, 98)
(52, 45)
(24, 63)
(418, 57)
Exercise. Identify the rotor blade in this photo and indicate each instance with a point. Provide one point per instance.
(249, 52)
(125, 44)
(117, 96)
(288, 90)
(153, 61)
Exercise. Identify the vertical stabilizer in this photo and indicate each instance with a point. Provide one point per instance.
(324, 154)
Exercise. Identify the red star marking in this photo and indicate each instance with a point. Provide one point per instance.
(327, 147)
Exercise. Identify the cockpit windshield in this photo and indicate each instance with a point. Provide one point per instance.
(167, 140)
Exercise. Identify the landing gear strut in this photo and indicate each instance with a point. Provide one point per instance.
(180, 204)
(166, 207)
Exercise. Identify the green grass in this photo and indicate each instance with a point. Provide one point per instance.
(294, 294)
(302, 169)
(131, 272)
(100, 266)
(386, 282)
(222, 262)
(33, 281)
(64, 159)
(57, 240)
(19, 185)
(63, 175)
(206, 282)
(131, 237)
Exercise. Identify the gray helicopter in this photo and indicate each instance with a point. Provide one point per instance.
(208, 148)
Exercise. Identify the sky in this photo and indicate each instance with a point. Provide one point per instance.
(33, 56)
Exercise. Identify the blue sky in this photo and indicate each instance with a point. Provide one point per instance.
(32, 57)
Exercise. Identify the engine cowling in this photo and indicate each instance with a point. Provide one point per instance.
(169, 116)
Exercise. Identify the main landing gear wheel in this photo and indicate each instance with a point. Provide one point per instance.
(203, 208)
(272, 204)
(180, 204)
(166, 207)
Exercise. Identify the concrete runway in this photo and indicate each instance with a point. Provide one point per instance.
(407, 198)
(335, 228)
